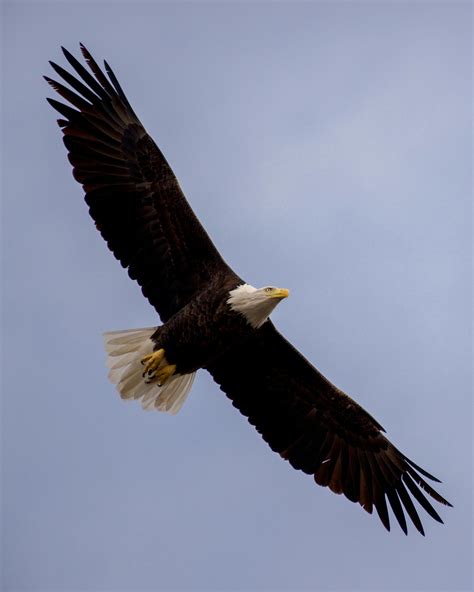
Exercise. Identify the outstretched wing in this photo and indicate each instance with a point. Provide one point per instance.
(132, 193)
(320, 430)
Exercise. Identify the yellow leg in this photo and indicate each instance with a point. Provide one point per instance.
(152, 362)
(161, 375)
(165, 373)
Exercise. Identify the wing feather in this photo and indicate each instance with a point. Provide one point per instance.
(132, 193)
(322, 431)
(397, 508)
(409, 506)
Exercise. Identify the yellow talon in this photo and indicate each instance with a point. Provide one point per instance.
(161, 376)
(165, 374)
(152, 362)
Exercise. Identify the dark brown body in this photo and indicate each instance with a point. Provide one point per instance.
(206, 328)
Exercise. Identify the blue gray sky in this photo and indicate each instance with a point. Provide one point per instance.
(326, 147)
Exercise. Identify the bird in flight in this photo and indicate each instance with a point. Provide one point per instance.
(211, 318)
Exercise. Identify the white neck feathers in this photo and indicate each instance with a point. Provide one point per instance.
(252, 303)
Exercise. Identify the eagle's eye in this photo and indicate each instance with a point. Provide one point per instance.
(268, 290)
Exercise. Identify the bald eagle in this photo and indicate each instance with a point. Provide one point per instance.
(212, 319)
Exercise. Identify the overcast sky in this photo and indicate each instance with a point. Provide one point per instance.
(326, 147)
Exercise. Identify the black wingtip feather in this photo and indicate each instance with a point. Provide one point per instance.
(117, 86)
(409, 507)
(86, 76)
(382, 511)
(422, 471)
(426, 487)
(85, 52)
(420, 498)
(397, 509)
(67, 53)
(115, 82)
(65, 110)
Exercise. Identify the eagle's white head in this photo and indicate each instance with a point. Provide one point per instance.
(255, 304)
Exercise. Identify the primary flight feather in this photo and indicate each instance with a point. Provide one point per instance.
(213, 319)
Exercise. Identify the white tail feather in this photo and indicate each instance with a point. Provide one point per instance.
(125, 351)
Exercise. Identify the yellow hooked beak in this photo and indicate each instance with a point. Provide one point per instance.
(280, 293)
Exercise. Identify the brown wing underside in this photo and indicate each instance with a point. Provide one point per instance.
(132, 193)
(320, 430)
